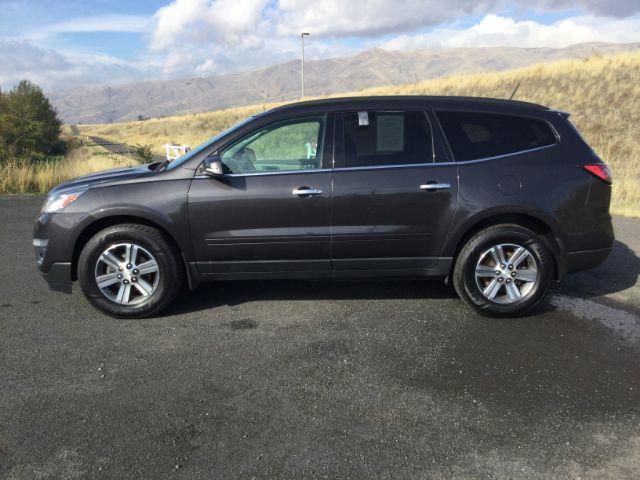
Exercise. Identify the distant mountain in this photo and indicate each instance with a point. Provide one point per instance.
(371, 68)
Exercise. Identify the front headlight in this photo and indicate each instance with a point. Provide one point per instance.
(58, 201)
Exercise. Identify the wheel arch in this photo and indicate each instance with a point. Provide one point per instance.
(544, 227)
(101, 223)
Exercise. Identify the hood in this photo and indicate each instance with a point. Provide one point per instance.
(115, 174)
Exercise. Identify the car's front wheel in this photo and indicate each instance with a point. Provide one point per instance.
(504, 270)
(130, 270)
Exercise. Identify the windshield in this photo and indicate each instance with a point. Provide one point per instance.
(180, 160)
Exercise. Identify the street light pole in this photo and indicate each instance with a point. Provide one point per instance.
(188, 105)
(302, 35)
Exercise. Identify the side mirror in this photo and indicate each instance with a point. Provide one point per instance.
(213, 167)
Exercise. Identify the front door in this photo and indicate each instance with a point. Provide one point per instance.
(269, 215)
(394, 193)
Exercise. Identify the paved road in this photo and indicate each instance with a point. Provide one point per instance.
(121, 149)
(319, 380)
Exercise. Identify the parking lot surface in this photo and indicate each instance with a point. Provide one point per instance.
(286, 379)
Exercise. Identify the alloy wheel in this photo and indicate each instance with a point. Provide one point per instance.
(127, 274)
(506, 273)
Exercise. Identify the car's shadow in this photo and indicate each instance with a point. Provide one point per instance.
(209, 295)
(618, 273)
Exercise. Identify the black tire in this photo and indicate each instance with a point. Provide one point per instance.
(464, 274)
(170, 269)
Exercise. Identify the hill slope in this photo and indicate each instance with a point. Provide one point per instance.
(602, 93)
(282, 82)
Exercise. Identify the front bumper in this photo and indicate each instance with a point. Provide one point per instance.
(54, 238)
(59, 277)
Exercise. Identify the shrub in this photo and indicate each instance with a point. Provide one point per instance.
(143, 153)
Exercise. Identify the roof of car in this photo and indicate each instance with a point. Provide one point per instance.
(412, 100)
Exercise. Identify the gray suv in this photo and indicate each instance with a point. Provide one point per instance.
(500, 198)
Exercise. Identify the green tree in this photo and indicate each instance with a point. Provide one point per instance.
(28, 123)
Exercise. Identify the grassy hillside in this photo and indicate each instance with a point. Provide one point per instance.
(602, 93)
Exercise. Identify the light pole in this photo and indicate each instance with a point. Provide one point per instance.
(188, 105)
(302, 35)
(110, 112)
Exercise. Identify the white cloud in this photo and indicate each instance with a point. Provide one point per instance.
(496, 31)
(367, 17)
(103, 23)
(55, 70)
(373, 17)
(208, 37)
(226, 22)
(190, 32)
(614, 8)
(222, 35)
(217, 36)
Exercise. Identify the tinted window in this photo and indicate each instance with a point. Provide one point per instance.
(386, 138)
(480, 135)
(285, 146)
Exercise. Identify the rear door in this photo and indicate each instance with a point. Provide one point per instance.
(394, 192)
(269, 215)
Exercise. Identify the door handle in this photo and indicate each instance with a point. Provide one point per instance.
(306, 191)
(432, 187)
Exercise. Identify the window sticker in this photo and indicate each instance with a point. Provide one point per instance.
(363, 119)
(390, 135)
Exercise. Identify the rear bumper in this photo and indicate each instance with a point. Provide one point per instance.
(589, 238)
(59, 277)
(586, 259)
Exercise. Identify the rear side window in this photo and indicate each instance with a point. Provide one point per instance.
(387, 138)
(473, 136)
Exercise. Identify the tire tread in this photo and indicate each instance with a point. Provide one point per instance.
(475, 299)
(167, 253)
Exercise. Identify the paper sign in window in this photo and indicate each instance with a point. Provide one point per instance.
(363, 119)
(390, 135)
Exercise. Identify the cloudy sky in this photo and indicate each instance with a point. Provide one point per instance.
(60, 44)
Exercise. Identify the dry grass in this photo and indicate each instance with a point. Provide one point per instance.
(179, 130)
(602, 93)
(20, 176)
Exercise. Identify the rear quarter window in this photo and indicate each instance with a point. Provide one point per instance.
(474, 136)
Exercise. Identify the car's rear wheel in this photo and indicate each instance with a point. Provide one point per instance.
(504, 270)
(130, 270)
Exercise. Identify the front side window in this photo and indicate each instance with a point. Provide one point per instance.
(284, 146)
(473, 136)
(387, 138)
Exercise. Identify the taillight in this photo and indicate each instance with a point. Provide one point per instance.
(599, 170)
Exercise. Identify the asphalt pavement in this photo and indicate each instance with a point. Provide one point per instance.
(286, 379)
(120, 149)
